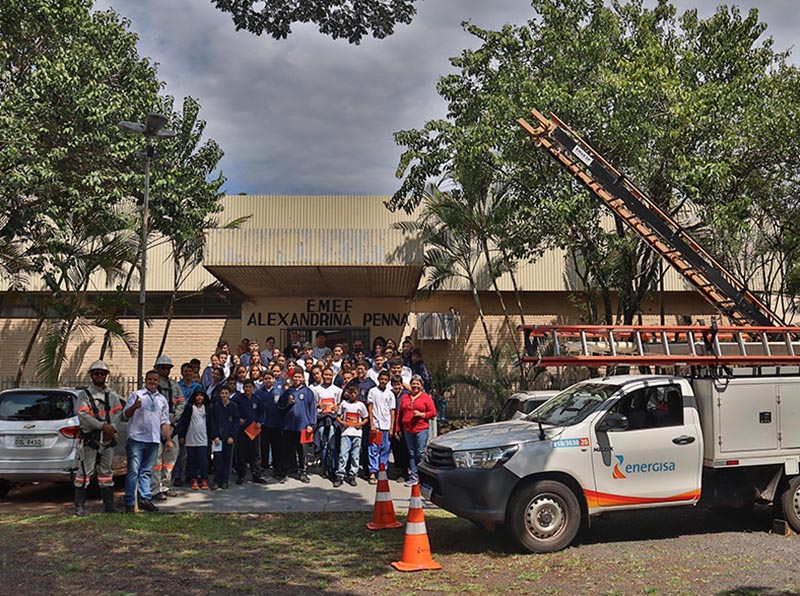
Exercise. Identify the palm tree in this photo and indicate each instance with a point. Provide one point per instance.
(76, 254)
(452, 248)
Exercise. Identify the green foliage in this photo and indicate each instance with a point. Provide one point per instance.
(698, 113)
(497, 383)
(71, 181)
(349, 19)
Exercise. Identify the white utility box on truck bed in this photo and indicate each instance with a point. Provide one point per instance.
(749, 420)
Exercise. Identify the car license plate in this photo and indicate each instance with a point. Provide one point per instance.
(426, 491)
(28, 442)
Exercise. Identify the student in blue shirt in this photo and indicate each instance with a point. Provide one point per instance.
(224, 430)
(299, 407)
(269, 393)
(248, 451)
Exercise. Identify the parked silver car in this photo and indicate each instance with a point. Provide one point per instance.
(39, 430)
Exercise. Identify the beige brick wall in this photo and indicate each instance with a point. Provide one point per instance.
(188, 338)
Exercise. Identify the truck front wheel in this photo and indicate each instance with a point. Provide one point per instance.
(791, 503)
(544, 516)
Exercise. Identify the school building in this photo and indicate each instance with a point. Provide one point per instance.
(311, 263)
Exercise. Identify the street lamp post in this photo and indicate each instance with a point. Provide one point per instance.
(153, 128)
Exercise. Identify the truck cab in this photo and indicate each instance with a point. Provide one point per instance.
(619, 442)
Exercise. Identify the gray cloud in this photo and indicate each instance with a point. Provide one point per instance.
(311, 115)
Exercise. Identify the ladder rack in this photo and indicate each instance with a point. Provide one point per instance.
(726, 293)
(661, 345)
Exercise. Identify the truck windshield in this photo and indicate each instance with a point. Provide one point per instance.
(572, 405)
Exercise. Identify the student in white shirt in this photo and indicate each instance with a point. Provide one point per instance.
(381, 405)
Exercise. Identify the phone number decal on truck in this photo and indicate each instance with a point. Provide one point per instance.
(561, 443)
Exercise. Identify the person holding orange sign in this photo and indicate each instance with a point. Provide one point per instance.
(352, 416)
(328, 398)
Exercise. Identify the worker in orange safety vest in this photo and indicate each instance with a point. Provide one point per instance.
(99, 413)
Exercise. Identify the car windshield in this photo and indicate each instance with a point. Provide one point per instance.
(572, 405)
(35, 405)
(508, 409)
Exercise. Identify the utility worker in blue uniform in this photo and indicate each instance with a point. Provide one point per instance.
(299, 407)
(248, 451)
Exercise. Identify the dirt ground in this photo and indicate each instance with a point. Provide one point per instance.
(668, 551)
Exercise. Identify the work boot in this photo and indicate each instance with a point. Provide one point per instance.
(80, 502)
(107, 493)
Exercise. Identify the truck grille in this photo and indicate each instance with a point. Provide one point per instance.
(436, 457)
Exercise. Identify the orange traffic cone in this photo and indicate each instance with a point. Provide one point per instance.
(383, 514)
(416, 548)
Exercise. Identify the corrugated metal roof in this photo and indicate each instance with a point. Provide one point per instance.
(298, 212)
(318, 247)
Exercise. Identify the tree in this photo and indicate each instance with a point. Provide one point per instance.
(679, 105)
(70, 178)
(68, 75)
(349, 19)
(452, 253)
(77, 253)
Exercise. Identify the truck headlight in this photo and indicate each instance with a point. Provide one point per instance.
(483, 459)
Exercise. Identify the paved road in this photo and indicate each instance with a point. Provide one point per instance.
(318, 495)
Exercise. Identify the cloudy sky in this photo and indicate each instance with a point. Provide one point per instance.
(312, 115)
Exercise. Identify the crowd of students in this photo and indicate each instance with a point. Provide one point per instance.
(252, 412)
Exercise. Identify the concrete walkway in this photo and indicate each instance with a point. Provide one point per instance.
(273, 497)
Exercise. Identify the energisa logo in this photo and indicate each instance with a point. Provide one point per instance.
(621, 469)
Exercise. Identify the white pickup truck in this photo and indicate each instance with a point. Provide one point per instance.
(618, 443)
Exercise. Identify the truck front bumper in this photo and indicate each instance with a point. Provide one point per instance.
(477, 495)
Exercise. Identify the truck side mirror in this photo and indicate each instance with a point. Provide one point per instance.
(612, 422)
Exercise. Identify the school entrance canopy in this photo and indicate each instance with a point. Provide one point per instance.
(333, 246)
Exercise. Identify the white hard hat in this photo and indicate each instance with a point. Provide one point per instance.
(99, 365)
(164, 360)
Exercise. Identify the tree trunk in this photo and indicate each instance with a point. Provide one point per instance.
(506, 318)
(482, 316)
(107, 334)
(24, 362)
(517, 294)
(170, 313)
(55, 374)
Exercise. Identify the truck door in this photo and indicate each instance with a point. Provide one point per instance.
(657, 459)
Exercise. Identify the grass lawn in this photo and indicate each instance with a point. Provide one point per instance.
(334, 553)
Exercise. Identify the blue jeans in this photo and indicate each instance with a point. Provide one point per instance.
(141, 459)
(416, 449)
(349, 451)
(379, 454)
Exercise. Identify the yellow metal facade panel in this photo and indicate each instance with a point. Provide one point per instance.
(298, 212)
(316, 247)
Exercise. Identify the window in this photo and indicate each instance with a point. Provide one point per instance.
(652, 407)
(434, 325)
(35, 405)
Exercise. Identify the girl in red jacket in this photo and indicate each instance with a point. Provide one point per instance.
(416, 408)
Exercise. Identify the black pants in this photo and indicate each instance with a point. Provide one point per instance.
(364, 459)
(400, 452)
(272, 441)
(293, 454)
(248, 451)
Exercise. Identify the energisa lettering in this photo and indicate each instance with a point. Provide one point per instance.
(621, 469)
